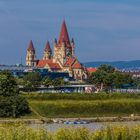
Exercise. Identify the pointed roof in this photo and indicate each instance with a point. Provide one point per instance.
(31, 46)
(70, 62)
(77, 65)
(48, 48)
(64, 37)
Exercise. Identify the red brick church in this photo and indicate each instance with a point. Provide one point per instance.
(62, 60)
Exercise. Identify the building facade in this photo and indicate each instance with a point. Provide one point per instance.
(62, 60)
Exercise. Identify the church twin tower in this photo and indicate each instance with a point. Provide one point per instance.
(63, 50)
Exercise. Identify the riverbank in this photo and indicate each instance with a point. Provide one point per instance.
(63, 120)
(100, 107)
(76, 105)
(85, 108)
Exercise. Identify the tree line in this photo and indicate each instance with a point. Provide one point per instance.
(106, 78)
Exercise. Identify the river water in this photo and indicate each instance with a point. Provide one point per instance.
(92, 126)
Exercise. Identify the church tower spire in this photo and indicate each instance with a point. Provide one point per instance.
(63, 48)
(64, 36)
(31, 55)
(47, 52)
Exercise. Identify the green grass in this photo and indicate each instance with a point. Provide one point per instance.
(78, 96)
(82, 105)
(22, 132)
(87, 108)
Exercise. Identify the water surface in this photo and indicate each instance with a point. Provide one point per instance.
(91, 126)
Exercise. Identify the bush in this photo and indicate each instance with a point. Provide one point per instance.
(8, 85)
(11, 103)
(14, 106)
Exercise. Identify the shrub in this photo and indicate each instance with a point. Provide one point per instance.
(8, 85)
(14, 106)
(11, 103)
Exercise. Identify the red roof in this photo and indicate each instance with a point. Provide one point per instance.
(70, 61)
(77, 65)
(41, 63)
(31, 46)
(51, 64)
(64, 37)
(55, 66)
(48, 48)
(91, 70)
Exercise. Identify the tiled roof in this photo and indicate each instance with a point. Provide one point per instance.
(77, 65)
(48, 48)
(91, 70)
(41, 63)
(55, 66)
(31, 46)
(70, 61)
(51, 64)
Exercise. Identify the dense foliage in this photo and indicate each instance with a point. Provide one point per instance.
(22, 132)
(106, 78)
(8, 85)
(47, 82)
(11, 103)
(14, 106)
(31, 81)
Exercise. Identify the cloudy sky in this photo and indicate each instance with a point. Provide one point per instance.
(104, 30)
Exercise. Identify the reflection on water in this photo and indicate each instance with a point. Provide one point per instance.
(91, 126)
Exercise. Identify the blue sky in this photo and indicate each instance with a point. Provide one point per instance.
(104, 30)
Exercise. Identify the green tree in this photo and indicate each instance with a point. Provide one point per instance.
(106, 68)
(136, 82)
(122, 79)
(58, 82)
(106, 78)
(98, 78)
(8, 85)
(109, 82)
(20, 81)
(47, 82)
(32, 81)
(13, 106)
(11, 103)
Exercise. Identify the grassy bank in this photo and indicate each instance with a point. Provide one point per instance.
(83, 105)
(96, 108)
(22, 132)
